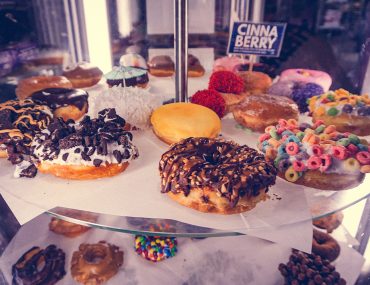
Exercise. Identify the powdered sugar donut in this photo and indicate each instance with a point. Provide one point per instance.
(307, 75)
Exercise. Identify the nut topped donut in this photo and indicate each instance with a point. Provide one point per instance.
(215, 176)
(316, 156)
(19, 123)
(348, 112)
(87, 150)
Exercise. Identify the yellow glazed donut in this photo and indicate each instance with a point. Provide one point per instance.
(177, 121)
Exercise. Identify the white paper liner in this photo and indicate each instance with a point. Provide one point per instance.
(231, 260)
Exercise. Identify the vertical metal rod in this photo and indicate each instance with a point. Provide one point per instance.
(181, 49)
(363, 230)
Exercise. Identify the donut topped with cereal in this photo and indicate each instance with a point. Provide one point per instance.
(316, 156)
(347, 111)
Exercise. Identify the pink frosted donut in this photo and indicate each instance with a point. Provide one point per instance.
(229, 63)
(308, 76)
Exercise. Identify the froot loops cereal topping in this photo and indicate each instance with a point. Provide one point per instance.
(155, 248)
(296, 149)
(335, 103)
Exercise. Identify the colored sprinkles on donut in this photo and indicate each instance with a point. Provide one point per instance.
(155, 248)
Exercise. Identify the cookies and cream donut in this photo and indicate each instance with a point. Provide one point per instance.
(215, 176)
(307, 75)
(316, 156)
(136, 105)
(88, 150)
(348, 112)
(161, 66)
(177, 121)
(229, 85)
(261, 110)
(96, 263)
(65, 103)
(39, 266)
(20, 121)
(30, 85)
(82, 74)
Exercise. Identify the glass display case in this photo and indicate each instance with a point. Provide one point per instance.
(42, 39)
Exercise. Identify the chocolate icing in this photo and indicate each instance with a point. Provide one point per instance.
(161, 62)
(27, 269)
(226, 167)
(55, 98)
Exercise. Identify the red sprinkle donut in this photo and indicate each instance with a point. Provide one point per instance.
(210, 99)
(325, 245)
(226, 82)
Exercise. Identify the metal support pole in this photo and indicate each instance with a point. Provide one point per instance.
(363, 231)
(181, 49)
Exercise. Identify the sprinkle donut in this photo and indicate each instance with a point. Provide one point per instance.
(155, 248)
(316, 156)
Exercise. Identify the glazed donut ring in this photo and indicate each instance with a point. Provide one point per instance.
(83, 75)
(255, 82)
(215, 176)
(329, 222)
(96, 263)
(259, 111)
(32, 84)
(325, 246)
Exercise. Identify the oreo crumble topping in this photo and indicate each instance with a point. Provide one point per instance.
(91, 142)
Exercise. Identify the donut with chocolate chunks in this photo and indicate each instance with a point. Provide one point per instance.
(39, 266)
(214, 175)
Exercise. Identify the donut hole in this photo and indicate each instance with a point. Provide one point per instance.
(95, 256)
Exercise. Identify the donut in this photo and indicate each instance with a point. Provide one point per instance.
(82, 74)
(20, 121)
(155, 248)
(348, 112)
(259, 111)
(304, 268)
(88, 150)
(65, 103)
(176, 121)
(133, 60)
(127, 76)
(329, 222)
(134, 104)
(161, 66)
(47, 57)
(39, 266)
(210, 99)
(30, 85)
(96, 263)
(228, 63)
(299, 92)
(215, 176)
(255, 82)
(316, 156)
(69, 229)
(195, 69)
(307, 76)
(229, 85)
(325, 245)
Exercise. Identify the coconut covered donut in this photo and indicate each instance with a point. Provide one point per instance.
(87, 150)
(215, 176)
(316, 156)
(348, 112)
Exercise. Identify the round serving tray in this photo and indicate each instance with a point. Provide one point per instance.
(132, 203)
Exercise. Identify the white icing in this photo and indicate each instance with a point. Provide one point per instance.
(20, 167)
(134, 104)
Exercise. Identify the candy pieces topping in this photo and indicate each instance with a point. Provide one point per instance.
(303, 91)
(298, 148)
(226, 82)
(334, 103)
(154, 248)
(210, 99)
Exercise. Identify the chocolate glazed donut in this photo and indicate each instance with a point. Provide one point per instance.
(325, 245)
(39, 266)
(213, 175)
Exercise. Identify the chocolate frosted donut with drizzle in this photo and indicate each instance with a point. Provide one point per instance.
(19, 122)
(60, 97)
(229, 178)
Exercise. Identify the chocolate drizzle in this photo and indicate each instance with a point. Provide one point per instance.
(232, 170)
(39, 266)
(55, 98)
